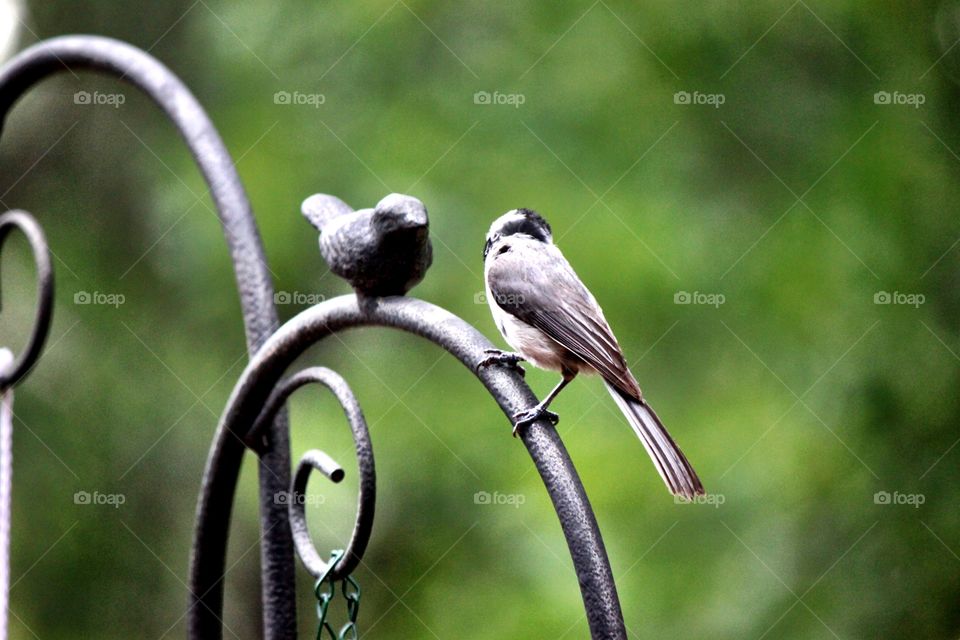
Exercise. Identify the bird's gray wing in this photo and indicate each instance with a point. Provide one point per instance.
(535, 283)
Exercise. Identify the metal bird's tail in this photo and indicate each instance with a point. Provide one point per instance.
(680, 477)
(321, 209)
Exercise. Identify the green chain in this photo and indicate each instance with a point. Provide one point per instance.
(351, 595)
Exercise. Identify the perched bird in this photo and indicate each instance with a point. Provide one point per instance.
(384, 251)
(547, 314)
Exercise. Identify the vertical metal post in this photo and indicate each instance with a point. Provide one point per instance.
(138, 68)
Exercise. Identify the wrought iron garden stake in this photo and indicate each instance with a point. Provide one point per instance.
(6, 485)
(255, 287)
(13, 369)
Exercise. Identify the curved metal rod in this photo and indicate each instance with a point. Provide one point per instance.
(6, 488)
(467, 345)
(12, 373)
(138, 68)
(316, 459)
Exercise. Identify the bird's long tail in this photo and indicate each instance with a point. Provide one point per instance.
(680, 477)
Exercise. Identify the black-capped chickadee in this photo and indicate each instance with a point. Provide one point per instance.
(552, 320)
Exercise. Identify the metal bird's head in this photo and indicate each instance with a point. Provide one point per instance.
(526, 222)
(398, 212)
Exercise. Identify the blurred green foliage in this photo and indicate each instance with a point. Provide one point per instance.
(797, 399)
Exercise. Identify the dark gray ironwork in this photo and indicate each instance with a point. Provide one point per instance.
(384, 251)
(23, 221)
(469, 346)
(6, 488)
(254, 417)
(136, 67)
(13, 369)
(316, 459)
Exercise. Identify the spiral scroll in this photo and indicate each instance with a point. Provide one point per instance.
(254, 285)
(316, 459)
(13, 369)
(261, 386)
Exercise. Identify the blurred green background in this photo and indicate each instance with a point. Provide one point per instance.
(793, 207)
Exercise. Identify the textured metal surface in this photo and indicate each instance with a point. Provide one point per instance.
(6, 487)
(383, 251)
(13, 371)
(465, 343)
(297, 498)
(246, 250)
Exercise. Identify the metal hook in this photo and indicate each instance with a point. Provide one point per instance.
(26, 224)
(342, 567)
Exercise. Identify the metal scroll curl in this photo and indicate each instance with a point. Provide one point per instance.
(319, 460)
(22, 221)
(263, 376)
(12, 370)
(136, 67)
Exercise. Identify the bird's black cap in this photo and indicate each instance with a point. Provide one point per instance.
(518, 221)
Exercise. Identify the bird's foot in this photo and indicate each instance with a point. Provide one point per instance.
(505, 358)
(532, 415)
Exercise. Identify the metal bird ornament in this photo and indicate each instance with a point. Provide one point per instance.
(384, 251)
